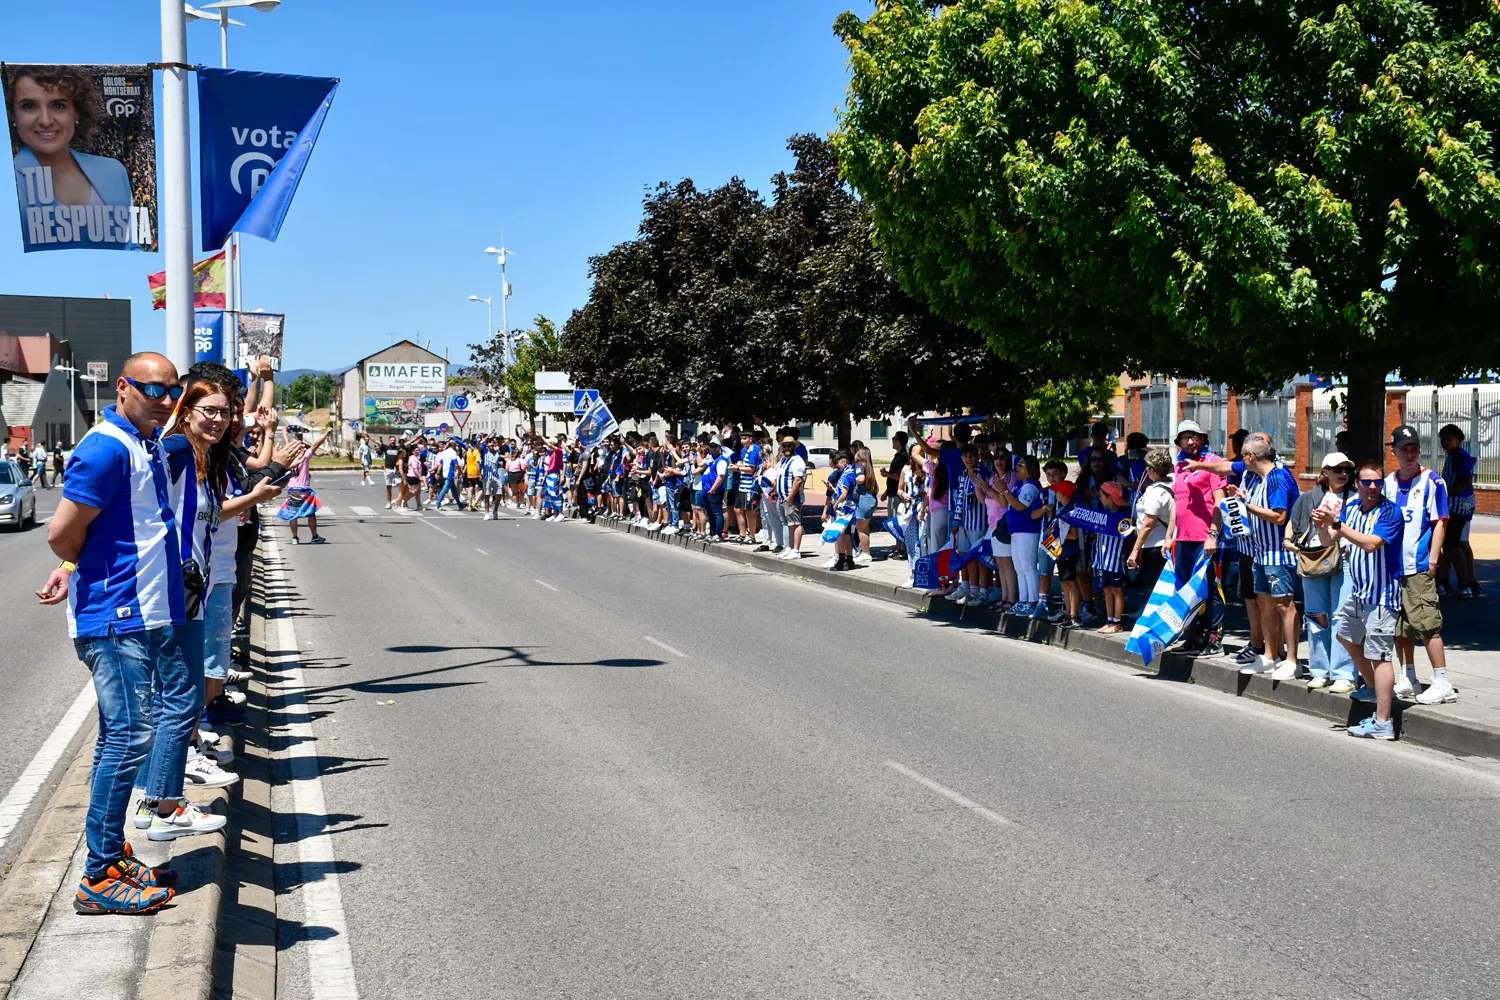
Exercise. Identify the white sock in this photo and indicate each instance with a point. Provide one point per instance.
(1440, 675)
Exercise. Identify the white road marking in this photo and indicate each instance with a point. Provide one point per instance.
(451, 513)
(325, 509)
(549, 586)
(330, 965)
(437, 529)
(674, 652)
(363, 511)
(481, 552)
(949, 794)
(21, 794)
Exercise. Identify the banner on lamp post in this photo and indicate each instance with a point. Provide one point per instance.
(260, 334)
(256, 133)
(208, 335)
(83, 141)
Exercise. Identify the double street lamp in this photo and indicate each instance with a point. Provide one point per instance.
(502, 254)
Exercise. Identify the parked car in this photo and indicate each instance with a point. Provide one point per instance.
(821, 458)
(17, 498)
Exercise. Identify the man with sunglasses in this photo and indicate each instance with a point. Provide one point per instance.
(1370, 534)
(1422, 496)
(122, 575)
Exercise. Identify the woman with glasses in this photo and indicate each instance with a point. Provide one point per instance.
(1328, 661)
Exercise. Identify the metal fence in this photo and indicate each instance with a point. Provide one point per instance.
(1209, 406)
(1474, 409)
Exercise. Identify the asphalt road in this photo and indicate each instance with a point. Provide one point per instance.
(614, 769)
(40, 675)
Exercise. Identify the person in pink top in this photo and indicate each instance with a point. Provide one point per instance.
(1192, 528)
(301, 501)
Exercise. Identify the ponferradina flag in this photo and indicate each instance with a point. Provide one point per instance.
(209, 284)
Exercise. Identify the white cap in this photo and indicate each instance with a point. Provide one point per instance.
(1187, 427)
(1334, 459)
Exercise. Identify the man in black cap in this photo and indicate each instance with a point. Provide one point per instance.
(1422, 497)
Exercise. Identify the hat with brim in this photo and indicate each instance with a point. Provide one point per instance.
(1404, 435)
(1188, 427)
(1334, 459)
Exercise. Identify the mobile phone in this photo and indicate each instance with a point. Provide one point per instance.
(284, 478)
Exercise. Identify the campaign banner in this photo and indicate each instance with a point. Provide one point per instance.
(83, 140)
(210, 284)
(260, 335)
(256, 133)
(597, 424)
(208, 335)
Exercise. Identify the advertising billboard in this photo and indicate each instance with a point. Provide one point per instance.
(387, 377)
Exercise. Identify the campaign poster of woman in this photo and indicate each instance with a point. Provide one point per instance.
(83, 140)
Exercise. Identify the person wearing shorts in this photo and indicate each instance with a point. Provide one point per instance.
(391, 452)
(492, 478)
(1369, 534)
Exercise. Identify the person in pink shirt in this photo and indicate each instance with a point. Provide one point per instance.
(1193, 527)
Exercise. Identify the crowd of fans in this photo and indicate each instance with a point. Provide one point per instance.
(1349, 571)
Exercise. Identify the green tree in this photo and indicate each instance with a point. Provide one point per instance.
(1055, 409)
(540, 350)
(309, 392)
(1232, 191)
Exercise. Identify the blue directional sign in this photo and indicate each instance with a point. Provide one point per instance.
(443, 428)
(458, 403)
(583, 399)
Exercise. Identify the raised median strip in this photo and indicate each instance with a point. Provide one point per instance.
(1435, 726)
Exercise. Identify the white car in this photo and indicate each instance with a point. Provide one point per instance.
(17, 498)
(821, 458)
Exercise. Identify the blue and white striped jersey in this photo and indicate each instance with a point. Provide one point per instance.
(129, 574)
(1375, 576)
(194, 504)
(1276, 491)
(968, 506)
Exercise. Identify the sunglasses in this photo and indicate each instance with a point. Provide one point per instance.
(1372, 482)
(155, 390)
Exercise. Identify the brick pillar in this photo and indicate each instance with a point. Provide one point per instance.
(1132, 410)
(1395, 416)
(1182, 388)
(1231, 414)
(1302, 413)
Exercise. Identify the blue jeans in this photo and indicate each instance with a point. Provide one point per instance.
(130, 671)
(714, 502)
(1326, 656)
(450, 486)
(176, 705)
(218, 621)
(1210, 621)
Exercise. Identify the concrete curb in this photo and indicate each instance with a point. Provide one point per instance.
(1428, 726)
(39, 873)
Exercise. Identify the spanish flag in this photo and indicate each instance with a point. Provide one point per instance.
(209, 281)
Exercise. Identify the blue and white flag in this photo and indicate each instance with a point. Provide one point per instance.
(1169, 611)
(208, 335)
(597, 424)
(255, 134)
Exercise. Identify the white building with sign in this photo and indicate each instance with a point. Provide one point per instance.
(393, 391)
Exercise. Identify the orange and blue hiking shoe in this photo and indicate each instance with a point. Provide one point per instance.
(114, 892)
(143, 874)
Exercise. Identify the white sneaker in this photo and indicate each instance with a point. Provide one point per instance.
(187, 821)
(1318, 682)
(239, 677)
(234, 694)
(1405, 689)
(1440, 693)
(1286, 670)
(791, 554)
(911, 582)
(961, 595)
(1341, 687)
(863, 559)
(654, 528)
(204, 773)
(1265, 664)
(831, 562)
(761, 536)
(389, 504)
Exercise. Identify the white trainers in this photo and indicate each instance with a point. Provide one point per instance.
(187, 821)
(1440, 693)
(204, 773)
(831, 562)
(791, 554)
(1264, 664)
(863, 559)
(1405, 689)
(1286, 670)
(389, 504)
(234, 694)
(1341, 687)
(1318, 682)
(239, 677)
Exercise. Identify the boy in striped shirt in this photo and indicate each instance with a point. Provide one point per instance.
(1269, 491)
(1370, 535)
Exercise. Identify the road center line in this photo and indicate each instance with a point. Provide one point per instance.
(330, 963)
(21, 794)
(549, 586)
(949, 794)
(481, 551)
(440, 530)
(674, 652)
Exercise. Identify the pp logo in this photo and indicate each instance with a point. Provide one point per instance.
(119, 107)
(203, 339)
(258, 175)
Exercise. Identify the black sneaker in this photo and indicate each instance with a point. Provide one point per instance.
(1066, 621)
(1247, 655)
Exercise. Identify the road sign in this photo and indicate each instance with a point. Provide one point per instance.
(461, 417)
(443, 428)
(583, 399)
(553, 382)
(554, 402)
(458, 403)
(99, 370)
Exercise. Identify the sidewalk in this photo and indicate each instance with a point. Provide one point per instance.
(1470, 727)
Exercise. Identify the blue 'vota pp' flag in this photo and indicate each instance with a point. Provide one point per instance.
(255, 134)
(208, 335)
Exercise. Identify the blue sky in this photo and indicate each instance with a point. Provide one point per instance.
(453, 121)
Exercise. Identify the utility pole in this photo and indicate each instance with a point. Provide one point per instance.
(176, 230)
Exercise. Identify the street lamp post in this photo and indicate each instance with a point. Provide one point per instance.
(490, 330)
(503, 253)
(73, 403)
(96, 380)
(221, 9)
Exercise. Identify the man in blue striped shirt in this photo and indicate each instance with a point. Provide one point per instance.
(1269, 491)
(1369, 534)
